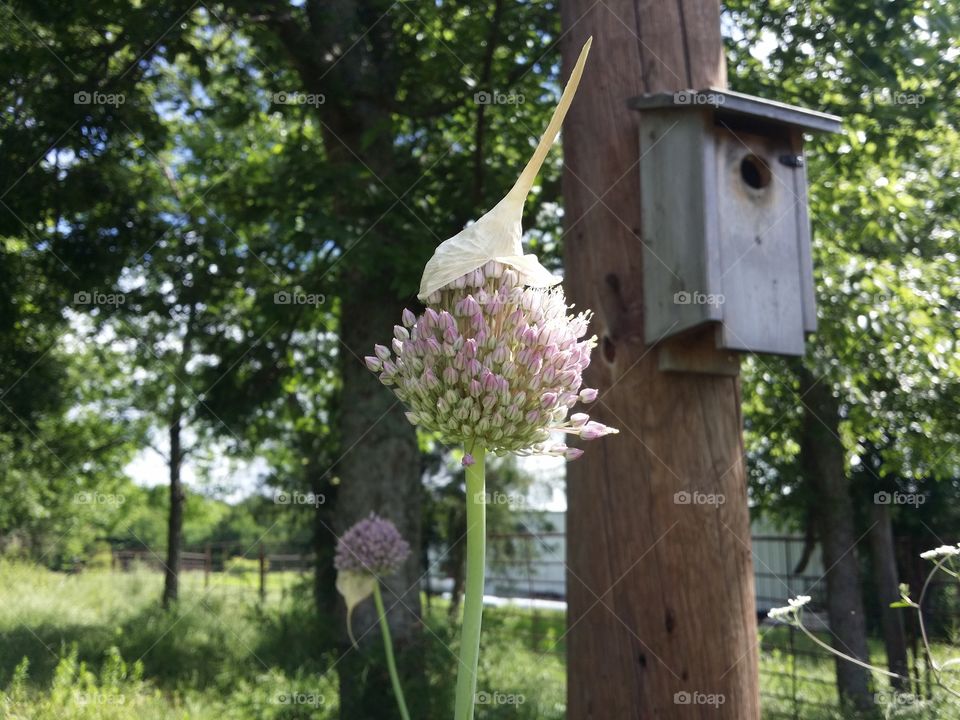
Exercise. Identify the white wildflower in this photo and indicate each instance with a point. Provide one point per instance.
(942, 551)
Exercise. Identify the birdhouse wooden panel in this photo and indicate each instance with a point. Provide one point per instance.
(724, 219)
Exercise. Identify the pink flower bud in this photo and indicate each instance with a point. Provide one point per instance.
(381, 352)
(579, 419)
(593, 430)
(408, 318)
(374, 364)
(500, 354)
(446, 321)
(588, 395)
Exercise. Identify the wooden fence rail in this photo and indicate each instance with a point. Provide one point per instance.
(218, 558)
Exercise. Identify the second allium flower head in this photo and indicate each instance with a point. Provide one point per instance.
(373, 546)
(495, 362)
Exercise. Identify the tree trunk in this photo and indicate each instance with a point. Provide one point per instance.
(887, 580)
(325, 594)
(662, 620)
(822, 461)
(379, 472)
(171, 580)
(457, 557)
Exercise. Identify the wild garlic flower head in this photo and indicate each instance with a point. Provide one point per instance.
(495, 361)
(372, 546)
(493, 364)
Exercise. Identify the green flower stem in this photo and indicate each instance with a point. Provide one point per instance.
(473, 589)
(388, 648)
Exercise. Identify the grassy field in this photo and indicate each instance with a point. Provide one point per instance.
(96, 646)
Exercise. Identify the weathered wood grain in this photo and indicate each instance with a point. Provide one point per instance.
(760, 273)
(660, 594)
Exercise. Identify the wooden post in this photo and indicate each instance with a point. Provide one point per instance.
(263, 575)
(207, 565)
(662, 620)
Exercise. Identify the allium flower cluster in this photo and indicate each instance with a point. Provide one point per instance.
(372, 546)
(493, 364)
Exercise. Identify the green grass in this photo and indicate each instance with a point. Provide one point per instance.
(811, 679)
(97, 646)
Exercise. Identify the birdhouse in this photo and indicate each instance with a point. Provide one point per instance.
(725, 227)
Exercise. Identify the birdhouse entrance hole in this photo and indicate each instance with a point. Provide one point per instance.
(755, 172)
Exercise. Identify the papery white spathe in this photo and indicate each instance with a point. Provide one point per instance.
(496, 235)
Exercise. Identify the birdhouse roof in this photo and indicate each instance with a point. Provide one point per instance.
(730, 104)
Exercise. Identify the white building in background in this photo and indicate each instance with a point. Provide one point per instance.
(531, 562)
